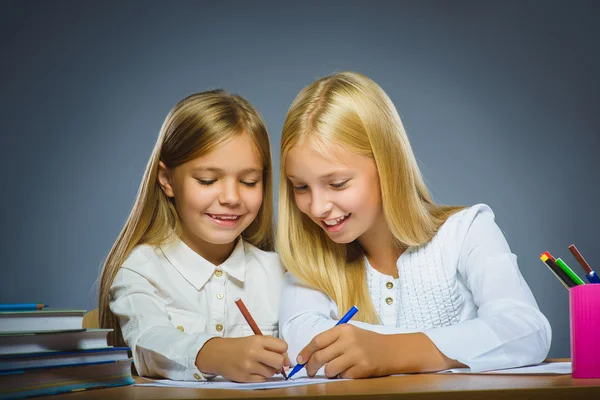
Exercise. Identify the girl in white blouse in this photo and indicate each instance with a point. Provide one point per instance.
(437, 287)
(199, 236)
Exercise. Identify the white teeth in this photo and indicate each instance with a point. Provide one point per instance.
(232, 217)
(336, 221)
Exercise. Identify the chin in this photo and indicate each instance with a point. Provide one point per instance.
(225, 240)
(221, 239)
(343, 239)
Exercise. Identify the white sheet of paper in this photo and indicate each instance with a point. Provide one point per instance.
(543, 368)
(275, 382)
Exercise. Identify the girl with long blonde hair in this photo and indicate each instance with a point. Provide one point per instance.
(199, 236)
(437, 286)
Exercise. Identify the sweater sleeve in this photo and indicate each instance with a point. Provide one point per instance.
(509, 330)
(306, 312)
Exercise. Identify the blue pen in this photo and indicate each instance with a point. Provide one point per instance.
(593, 277)
(21, 307)
(347, 317)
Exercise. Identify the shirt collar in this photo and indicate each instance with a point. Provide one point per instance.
(196, 269)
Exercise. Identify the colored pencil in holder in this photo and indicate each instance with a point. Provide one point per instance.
(559, 273)
(586, 267)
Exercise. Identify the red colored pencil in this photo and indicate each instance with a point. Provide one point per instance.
(251, 322)
(586, 267)
(549, 256)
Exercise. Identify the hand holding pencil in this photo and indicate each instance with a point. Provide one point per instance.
(253, 358)
(248, 317)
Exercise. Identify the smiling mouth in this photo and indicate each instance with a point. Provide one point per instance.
(225, 219)
(335, 222)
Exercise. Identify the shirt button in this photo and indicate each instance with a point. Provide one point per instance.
(389, 285)
(219, 327)
(389, 300)
(197, 376)
(218, 273)
(180, 328)
(220, 296)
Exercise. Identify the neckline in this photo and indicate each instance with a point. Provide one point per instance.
(373, 271)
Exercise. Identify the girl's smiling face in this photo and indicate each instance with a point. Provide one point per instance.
(216, 195)
(340, 193)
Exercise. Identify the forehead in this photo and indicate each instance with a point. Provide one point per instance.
(238, 153)
(306, 161)
(313, 150)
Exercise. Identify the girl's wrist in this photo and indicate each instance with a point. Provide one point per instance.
(397, 355)
(414, 352)
(208, 356)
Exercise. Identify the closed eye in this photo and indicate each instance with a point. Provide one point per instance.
(299, 188)
(206, 182)
(339, 185)
(250, 183)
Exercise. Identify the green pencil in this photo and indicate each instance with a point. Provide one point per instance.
(569, 271)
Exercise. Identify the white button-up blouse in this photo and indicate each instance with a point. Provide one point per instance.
(170, 301)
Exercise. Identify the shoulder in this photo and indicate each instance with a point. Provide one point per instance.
(291, 280)
(142, 260)
(470, 224)
(269, 260)
(473, 229)
(460, 223)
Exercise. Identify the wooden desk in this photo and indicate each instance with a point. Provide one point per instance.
(411, 387)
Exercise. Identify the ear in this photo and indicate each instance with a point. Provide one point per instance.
(164, 179)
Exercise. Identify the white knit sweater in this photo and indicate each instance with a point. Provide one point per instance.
(426, 297)
(463, 289)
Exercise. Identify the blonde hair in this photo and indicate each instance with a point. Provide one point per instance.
(194, 127)
(351, 110)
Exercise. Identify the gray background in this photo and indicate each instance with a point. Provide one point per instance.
(500, 101)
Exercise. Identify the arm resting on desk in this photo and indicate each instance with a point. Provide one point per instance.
(159, 349)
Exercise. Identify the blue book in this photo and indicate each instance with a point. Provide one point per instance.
(21, 306)
(19, 384)
(27, 361)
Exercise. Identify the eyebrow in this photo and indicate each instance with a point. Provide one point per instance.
(220, 171)
(343, 171)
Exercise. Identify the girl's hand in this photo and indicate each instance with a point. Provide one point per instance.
(351, 352)
(247, 359)
(347, 351)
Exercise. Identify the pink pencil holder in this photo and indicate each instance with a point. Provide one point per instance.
(584, 308)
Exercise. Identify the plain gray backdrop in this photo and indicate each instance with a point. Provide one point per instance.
(500, 100)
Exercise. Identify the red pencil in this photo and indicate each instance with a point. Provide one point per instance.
(549, 256)
(580, 259)
(251, 322)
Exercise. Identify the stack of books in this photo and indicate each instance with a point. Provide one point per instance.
(45, 351)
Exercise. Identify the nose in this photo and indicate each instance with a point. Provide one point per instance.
(230, 194)
(320, 205)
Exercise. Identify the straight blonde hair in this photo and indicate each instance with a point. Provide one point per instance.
(195, 126)
(351, 110)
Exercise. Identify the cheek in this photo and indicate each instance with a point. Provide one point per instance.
(374, 191)
(302, 202)
(254, 199)
(357, 201)
(195, 198)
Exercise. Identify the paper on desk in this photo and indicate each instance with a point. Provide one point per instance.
(275, 382)
(543, 368)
